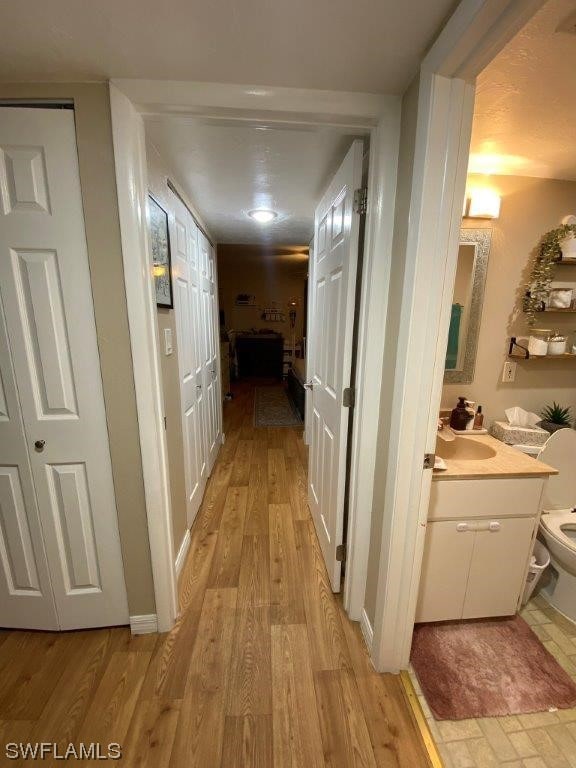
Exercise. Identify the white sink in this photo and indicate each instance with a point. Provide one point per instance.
(464, 449)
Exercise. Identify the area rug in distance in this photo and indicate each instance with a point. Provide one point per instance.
(273, 408)
(487, 668)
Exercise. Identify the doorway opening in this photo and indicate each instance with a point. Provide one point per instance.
(264, 230)
(509, 339)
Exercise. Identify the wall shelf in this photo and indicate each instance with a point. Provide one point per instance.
(553, 310)
(523, 354)
(532, 358)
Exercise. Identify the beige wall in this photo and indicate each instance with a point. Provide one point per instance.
(271, 277)
(98, 182)
(157, 175)
(530, 207)
(401, 220)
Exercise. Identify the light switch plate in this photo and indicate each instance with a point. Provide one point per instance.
(168, 348)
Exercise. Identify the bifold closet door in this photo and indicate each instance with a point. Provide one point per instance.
(187, 306)
(211, 347)
(66, 526)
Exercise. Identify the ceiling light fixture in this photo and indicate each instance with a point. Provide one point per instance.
(262, 216)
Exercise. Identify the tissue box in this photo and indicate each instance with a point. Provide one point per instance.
(513, 435)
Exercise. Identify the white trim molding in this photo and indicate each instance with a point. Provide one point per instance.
(367, 631)
(131, 183)
(182, 553)
(472, 37)
(375, 278)
(144, 625)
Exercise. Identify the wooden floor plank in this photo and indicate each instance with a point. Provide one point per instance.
(151, 735)
(248, 742)
(257, 502)
(277, 480)
(297, 489)
(344, 731)
(200, 731)
(250, 683)
(225, 569)
(328, 646)
(286, 594)
(242, 460)
(254, 580)
(112, 706)
(295, 723)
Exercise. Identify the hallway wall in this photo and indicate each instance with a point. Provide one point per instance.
(158, 173)
(99, 198)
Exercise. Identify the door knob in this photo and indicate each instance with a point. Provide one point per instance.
(39, 445)
(309, 385)
(198, 386)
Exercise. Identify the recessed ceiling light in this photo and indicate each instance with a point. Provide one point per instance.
(262, 216)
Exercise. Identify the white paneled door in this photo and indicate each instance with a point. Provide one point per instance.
(211, 348)
(60, 558)
(188, 307)
(333, 273)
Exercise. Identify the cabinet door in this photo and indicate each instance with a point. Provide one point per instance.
(498, 566)
(447, 556)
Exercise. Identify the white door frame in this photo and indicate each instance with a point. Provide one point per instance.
(471, 38)
(377, 115)
(473, 35)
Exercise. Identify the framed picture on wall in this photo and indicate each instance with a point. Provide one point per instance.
(160, 247)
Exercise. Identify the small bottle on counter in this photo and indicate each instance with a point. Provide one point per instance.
(459, 416)
(478, 418)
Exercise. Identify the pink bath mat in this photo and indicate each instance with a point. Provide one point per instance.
(487, 668)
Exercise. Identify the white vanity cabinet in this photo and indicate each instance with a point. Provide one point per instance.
(479, 539)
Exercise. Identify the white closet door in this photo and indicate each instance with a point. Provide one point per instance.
(210, 348)
(26, 599)
(186, 299)
(47, 299)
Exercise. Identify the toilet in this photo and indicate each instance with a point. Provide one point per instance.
(558, 521)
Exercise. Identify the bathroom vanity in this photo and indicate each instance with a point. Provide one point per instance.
(482, 521)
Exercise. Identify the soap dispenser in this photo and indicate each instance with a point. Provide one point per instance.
(460, 416)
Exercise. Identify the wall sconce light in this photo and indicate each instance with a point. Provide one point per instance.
(159, 270)
(484, 204)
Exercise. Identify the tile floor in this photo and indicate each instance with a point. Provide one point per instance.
(540, 740)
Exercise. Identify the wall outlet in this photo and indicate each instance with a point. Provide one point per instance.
(509, 373)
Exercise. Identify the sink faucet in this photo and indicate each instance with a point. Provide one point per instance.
(445, 431)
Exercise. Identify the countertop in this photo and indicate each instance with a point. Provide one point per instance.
(508, 462)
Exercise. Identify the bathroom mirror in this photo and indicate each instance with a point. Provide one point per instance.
(467, 305)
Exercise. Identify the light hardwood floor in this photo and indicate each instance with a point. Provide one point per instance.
(263, 668)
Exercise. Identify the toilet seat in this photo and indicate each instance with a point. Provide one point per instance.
(552, 522)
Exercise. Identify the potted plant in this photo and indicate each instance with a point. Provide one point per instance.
(554, 246)
(555, 417)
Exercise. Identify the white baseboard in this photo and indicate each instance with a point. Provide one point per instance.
(366, 628)
(182, 552)
(144, 625)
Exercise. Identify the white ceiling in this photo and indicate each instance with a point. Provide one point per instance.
(525, 113)
(365, 45)
(229, 168)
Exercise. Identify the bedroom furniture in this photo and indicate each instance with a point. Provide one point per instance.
(260, 354)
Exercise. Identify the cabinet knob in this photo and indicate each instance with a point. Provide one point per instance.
(494, 526)
(462, 527)
(39, 445)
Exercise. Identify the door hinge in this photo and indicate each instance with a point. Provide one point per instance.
(361, 200)
(165, 423)
(341, 553)
(429, 459)
(348, 397)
